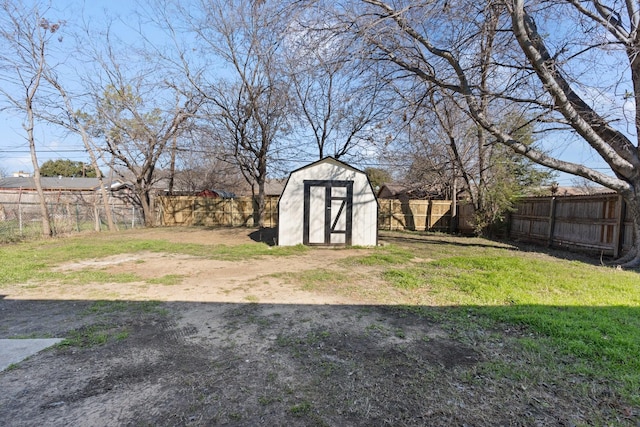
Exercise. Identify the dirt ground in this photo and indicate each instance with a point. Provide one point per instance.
(234, 343)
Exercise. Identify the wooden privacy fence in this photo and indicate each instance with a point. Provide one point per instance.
(594, 223)
(214, 212)
(416, 215)
(422, 215)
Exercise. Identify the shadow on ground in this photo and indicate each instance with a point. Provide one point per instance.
(187, 363)
(268, 235)
(416, 239)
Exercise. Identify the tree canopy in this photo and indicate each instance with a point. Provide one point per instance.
(563, 63)
(67, 168)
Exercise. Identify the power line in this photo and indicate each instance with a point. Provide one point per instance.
(50, 150)
(204, 151)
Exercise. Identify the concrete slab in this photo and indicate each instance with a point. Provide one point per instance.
(16, 350)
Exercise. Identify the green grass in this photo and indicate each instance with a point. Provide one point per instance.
(319, 280)
(518, 279)
(409, 278)
(10, 231)
(32, 261)
(103, 307)
(167, 280)
(586, 312)
(384, 255)
(12, 367)
(93, 336)
(568, 309)
(249, 251)
(301, 409)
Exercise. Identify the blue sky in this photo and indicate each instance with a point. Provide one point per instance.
(52, 142)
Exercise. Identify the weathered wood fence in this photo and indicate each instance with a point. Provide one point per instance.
(594, 223)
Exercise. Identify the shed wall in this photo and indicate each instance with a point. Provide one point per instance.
(291, 205)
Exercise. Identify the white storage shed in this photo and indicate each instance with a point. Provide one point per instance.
(328, 203)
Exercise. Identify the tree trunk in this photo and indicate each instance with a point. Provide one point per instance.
(172, 165)
(259, 210)
(146, 202)
(261, 178)
(86, 140)
(44, 211)
(261, 203)
(632, 258)
(105, 196)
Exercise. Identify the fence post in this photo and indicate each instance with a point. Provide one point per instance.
(619, 227)
(390, 215)
(552, 221)
(232, 202)
(20, 217)
(453, 215)
(96, 214)
(20, 210)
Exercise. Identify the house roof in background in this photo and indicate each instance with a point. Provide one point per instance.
(274, 187)
(566, 191)
(63, 183)
(396, 190)
(580, 191)
(390, 190)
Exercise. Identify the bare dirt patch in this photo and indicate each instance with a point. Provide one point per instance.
(200, 279)
(235, 343)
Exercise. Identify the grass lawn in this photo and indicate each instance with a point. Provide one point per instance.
(573, 320)
(579, 318)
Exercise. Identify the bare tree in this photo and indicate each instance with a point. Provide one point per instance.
(138, 135)
(447, 161)
(27, 35)
(204, 162)
(340, 98)
(440, 43)
(248, 106)
(72, 120)
(33, 37)
(139, 111)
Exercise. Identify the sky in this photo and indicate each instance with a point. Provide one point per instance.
(55, 143)
(52, 142)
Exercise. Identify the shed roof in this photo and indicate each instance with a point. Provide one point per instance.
(331, 160)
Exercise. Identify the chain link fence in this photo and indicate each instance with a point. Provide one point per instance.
(21, 217)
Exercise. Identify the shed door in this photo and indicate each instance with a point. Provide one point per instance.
(328, 209)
